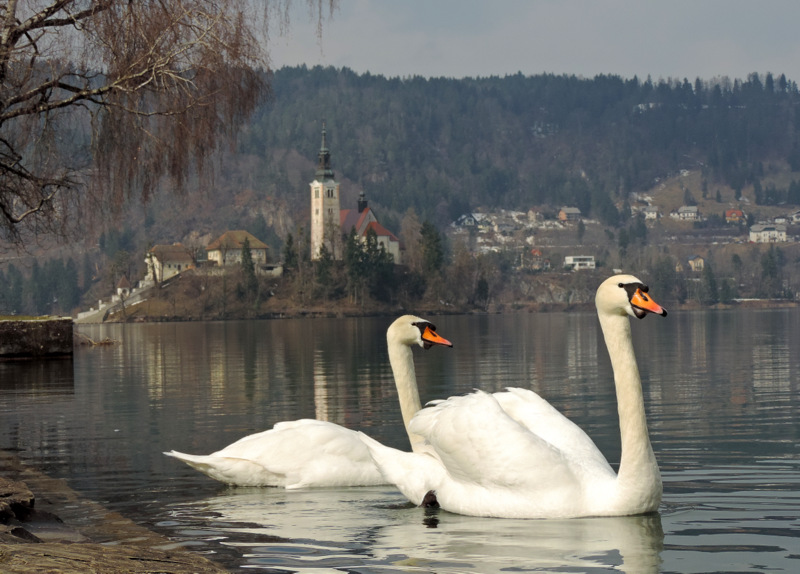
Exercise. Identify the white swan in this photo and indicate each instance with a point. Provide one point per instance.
(313, 453)
(511, 454)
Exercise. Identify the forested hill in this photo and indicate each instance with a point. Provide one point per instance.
(444, 146)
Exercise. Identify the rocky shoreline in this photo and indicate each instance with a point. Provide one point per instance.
(56, 530)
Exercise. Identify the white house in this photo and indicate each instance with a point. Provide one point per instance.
(696, 263)
(577, 262)
(165, 261)
(768, 233)
(466, 220)
(686, 213)
(227, 248)
(651, 213)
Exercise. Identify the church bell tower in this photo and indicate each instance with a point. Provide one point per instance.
(324, 206)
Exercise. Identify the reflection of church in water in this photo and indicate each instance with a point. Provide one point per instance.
(330, 224)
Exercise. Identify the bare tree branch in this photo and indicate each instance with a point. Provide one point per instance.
(110, 100)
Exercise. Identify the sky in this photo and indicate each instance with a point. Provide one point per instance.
(470, 38)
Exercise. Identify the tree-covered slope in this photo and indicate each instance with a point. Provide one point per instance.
(443, 146)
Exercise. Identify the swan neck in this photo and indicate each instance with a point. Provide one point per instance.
(402, 361)
(637, 461)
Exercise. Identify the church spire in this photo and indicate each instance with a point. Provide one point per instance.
(324, 171)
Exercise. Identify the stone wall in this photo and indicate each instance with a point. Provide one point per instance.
(36, 338)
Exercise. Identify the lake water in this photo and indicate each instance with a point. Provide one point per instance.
(721, 395)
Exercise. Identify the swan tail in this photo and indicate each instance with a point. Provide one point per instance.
(413, 473)
(230, 470)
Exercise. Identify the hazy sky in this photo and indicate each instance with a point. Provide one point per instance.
(458, 38)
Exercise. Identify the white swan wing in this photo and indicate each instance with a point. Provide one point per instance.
(479, 443)
(294, 454)
(545, 421)
(235, 471)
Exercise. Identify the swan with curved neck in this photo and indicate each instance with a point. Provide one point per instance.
(313, 453)
(511, 454)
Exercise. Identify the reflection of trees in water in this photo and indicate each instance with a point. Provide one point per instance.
(42, 377)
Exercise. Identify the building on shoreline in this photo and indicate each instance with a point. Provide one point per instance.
(330, 224)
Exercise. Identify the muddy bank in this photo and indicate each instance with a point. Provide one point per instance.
(46, 527)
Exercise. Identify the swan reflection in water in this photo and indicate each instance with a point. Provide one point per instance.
(375, 526)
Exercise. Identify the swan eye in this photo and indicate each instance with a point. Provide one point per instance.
(422, 324)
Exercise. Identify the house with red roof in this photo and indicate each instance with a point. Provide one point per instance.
(734, 215)
(363, 220)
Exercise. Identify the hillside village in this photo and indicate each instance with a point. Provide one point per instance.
(541, 240)
(498, 231)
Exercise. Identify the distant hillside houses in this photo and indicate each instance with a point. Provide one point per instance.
(569, 214)
(768, 233)
(686, 213)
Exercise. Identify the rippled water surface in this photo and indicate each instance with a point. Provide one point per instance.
(720, 388)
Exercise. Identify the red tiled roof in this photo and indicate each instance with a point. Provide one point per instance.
(380, 231)
(348, 218)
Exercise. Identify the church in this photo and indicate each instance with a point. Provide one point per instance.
(330, 224)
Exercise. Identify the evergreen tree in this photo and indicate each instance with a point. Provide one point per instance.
(623, 240)
(727, 291)
(38, 291)
(354, 266)
(68, 290)
(289, 254)
(86, 272)
(709, 294)
(3, 293)
(15, 289)
(432, 249)
(482, 292)
(665, 276)
(249, 269)
(379, 266)
(324, 268)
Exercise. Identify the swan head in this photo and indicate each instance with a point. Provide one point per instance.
(410, 330)
(626, 295)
